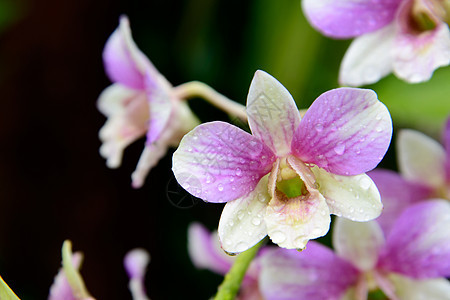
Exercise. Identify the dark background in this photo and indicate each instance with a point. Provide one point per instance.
(53, 183)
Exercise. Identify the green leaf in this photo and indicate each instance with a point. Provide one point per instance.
(5, 291)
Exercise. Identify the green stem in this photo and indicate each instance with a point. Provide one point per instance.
(199, 89)
(232, 281)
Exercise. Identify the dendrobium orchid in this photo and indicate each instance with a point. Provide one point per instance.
(135, 263)
(286, 178)
(205, 253)
(424, 166)
(409, 263)
(410, 38)
(139, 102)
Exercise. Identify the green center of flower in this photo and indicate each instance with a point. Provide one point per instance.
(377, 295)
(289, 182)
(427, 14)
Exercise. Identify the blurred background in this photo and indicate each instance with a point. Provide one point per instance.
(55, 186)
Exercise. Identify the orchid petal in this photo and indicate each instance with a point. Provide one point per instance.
(358, 242)
(346, 131)
(349, 18)
(219, 162)
(446, 141)
(60, 288)
(420, 158)
(396, 194)
(316, 273)
(124, 62)
(352, 197)
(205, 252)
(136, 262)
(150, 156)
(292, 222)
(272, 114)
(161, 107)
(369, 58)
(241, 224)
(112, 99)
(410, 289)
(417, 56)
(418, 245)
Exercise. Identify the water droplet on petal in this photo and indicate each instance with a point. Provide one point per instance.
(220, 187)
(319, 127)
(238, 172)
(379, 129)
(256, 221)
(339, 149)
(240, 214)
(352, 209)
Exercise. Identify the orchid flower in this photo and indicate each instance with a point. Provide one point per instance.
(135, 263)
(409, 263)
(68, 283)
(205, 253)
(139, 102)
(410, 38)
(424, 166)
(286, 178)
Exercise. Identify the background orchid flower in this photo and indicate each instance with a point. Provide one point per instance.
(286, 178)
(424, 167)
(68, 283)
(205, 253)
(409, 263)
(135, 263)
(410, 38)
(139, 102)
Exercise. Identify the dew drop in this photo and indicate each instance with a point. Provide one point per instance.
(319, 127)
(379, 129)
(256, 221)
(231, 223)
(189, 149)
(231, 179)
(195, 137)
(339, 149)
(240, 214)
(238, 172)
(352, 210)
(220, 187)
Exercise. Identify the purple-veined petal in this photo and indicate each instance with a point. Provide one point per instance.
(316, 273)
(346, 131)
(420, 158)
(272, 114)
(161, 106)
(242, 223)
(352, 197)
(417, 56)
(446, 141)
(205, 252)
(396, 194)
(135, 263)
(369, 58)
(358, 242)
(292, 222)
(418, 245)
(124, 62)
(430, 289)
(127, 122)
(349, 18)
(219, 162)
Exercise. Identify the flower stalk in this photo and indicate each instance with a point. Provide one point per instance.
(232, 281)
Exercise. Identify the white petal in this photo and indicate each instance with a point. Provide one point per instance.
(369, 58)
(149, 158)
(352, 197)
(358, 242)
(431, 289)
(111, 100)
(420, 158)
(242, 225)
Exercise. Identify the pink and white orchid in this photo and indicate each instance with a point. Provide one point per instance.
(409, 263)
(424, 172)
(410, 38)
(135, 263)
(139, 102)
(286, 178)
(205, 253)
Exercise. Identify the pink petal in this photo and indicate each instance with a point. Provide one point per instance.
(60, 288)
(135, 263)
(314, 274)
(205, 252)
(418, 245)
(396, 194)
(349, 18)
(346, 131)
(124, 62)
(272, 114)
(219, 162)
(416, 56)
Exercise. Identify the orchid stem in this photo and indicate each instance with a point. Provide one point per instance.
(199, 89)
(232, 281)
